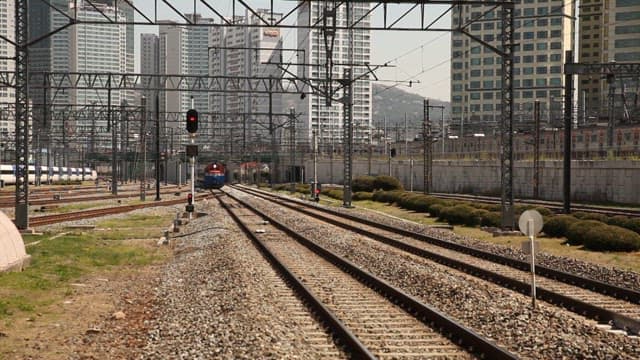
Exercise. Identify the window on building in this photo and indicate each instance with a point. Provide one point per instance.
(540, 70)
(629, 29)
(527, 47)
(541, 58)
(631, 15)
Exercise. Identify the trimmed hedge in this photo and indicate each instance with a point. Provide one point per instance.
(459, 215)
(491, 218)
(387, 196)
(362, 195)
(384, 182)
(363, 183)
(611, 238)
(558, 225)
(577, 231)
(333, 193)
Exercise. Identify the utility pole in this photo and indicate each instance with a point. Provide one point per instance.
(272, 133)
(536, 152)
(157, 116)
(427, 145)
(143, 143)
(427, 139)
(114, 143)
(292, 127)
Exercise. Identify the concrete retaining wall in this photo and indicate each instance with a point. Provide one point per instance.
(607, 181)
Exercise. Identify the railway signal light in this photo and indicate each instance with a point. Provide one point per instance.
(192, 121)
(189, 207)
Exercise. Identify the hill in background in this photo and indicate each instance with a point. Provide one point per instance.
(393, 103)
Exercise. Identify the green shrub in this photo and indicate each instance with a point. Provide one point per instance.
(491, 218)
(362, 195)
(611, 238)
(543, 211)
(415, 202)
(384, 182)
(435, 209)
(579, 214)
(303, 188)
(363, 183)
(557, 226)
(333, 193)
(618, 220)
(598, 217)
(459, 214)
(633, 224)
(577, 232)
(489, 207)
(386, 196)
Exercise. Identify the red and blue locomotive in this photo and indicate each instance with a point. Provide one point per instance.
(214, 176)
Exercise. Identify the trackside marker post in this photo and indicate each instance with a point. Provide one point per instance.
(530, 224)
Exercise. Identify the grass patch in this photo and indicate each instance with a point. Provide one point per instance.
(57, 263)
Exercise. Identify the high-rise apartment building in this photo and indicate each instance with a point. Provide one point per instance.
(245, 52)
(184, 50)
(7, 95)
(149, 63)
(609, 31)
(85, 48)
(544, 31)
(100, 48)
(327, 120)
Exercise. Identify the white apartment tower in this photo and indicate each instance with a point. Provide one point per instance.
(327, 121)
(244, 52)
(543, 29)
(149, 63)
(98, 48)
(184, 50)
(7, 94)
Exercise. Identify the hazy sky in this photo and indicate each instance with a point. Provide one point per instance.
(415, 55)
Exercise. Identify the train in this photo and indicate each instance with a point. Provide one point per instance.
(215, 176)
(51, 174)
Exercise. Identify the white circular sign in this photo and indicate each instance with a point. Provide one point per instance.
(524, 220)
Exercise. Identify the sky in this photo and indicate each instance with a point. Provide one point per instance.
(417, 56)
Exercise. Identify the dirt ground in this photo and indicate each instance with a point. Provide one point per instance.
(103, 318)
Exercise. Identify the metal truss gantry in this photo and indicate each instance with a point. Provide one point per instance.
(402, 10)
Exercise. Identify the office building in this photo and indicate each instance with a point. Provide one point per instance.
(544, 31)
(7, 94)
(149, 64)
(183, 50)
(319, 116)
(609, 32)
(241, 117)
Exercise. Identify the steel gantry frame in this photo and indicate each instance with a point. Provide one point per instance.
(388, 9)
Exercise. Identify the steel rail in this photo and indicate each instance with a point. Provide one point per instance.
(592, 311)
(459, 334)
(326, 316)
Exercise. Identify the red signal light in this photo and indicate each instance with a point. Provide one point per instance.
(192, 121)
(190, 199)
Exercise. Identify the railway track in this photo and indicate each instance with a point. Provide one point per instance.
(86, 214)
(551, 205)
(605, 303)
(367, 316)
(75, 196)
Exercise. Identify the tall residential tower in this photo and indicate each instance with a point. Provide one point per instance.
(349, 49)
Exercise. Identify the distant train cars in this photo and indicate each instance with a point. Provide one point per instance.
(52, 174)
(214, 176)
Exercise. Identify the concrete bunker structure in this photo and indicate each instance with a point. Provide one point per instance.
(13, 256)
